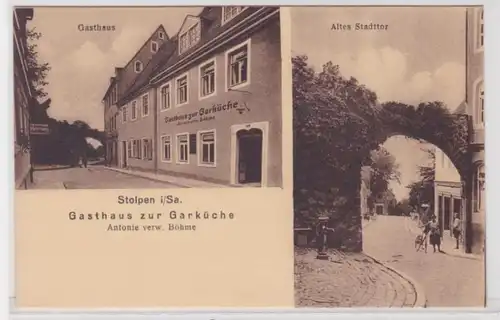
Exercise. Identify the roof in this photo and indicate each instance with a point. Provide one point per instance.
(462, 108)
(168, 54)
(118, 69)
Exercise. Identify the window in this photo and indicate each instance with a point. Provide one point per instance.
(479, 187)
(154, 46)
(145, 105)
(129, 149)
(229, 13)
(481, 105)
(182, 148)
(207, 148)
(189, 38)
(134, 110)
(147, 149)
(124, 114)
(165, 97)
(166, 144)
(138, 66)
(161, 35)
(114, 95)
(207, 79)
(238, 66)
(182, 90)
(481, 29)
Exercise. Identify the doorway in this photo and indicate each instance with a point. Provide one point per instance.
(447, 213)
(379, 209)
(124, 154)
(249, 144)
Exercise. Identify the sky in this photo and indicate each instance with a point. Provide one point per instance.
(83, 62)
(420, 57)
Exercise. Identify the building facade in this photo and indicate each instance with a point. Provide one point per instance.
(23, 99)
(447, 183)
(206, 102)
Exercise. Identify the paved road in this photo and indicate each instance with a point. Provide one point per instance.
(348, 280)
(93, 177)
(448, 281)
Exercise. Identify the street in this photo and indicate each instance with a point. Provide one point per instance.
(448, 281)
(92, 177)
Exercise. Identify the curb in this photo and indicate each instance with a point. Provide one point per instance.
(421, 299)
(148, 178)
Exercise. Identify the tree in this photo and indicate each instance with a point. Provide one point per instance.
(37, 70)
(331, 142)
(383, 170)
(422, 190)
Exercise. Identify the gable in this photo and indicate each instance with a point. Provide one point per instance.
(189, 21)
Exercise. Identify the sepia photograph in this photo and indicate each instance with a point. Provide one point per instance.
(147, 97)
(389, 178)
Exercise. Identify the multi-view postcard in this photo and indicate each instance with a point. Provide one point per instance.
(233, 156)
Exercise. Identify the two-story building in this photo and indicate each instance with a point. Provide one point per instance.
(23, 99)
(206, 102)
(447, 182)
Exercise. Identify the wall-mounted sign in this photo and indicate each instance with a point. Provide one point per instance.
(39, 129)
(208, 114)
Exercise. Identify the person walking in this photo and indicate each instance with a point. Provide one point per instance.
(457, 230)
(435, 234)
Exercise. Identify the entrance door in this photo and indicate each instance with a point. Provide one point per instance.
(379, 209)
(124, 154)
(249, 156)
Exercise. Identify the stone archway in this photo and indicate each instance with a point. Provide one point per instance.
(429, 122)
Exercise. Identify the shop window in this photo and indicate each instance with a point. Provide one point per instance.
(182, 148)
(207, 148)
(166, 142)
(207, 79)
(479, 186)
(129, 149)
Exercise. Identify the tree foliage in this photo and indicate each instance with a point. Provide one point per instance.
(384, 169)
(422, 190)
(37, 70)
(330, 141)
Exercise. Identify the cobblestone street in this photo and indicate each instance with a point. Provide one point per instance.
(348, 280)
(448, 280)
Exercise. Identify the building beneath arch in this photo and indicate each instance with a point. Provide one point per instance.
(448, 186)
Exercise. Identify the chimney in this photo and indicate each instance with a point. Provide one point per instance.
(111, 80)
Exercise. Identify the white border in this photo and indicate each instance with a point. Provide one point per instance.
(188, 87)
(199, 147)
(492, 72)
(248, 43)
(177, 145)
(172, 147)
(201, 66)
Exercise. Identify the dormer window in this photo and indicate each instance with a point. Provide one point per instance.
(229, 13)
(189, 38)
(154, 47)
(161, 35)
(138, 66)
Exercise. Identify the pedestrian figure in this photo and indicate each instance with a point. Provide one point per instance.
(435, 234)
(457, 230)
